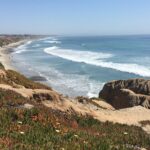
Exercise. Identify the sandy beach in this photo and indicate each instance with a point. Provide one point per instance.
(5, 57)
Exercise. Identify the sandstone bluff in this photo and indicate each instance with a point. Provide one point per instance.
(127, 93)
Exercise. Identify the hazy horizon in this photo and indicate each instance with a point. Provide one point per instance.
(78, 17)
(72, 35)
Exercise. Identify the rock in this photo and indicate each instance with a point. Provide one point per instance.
(127, 93)
(42, 96)
(38, 78)
(83, 100)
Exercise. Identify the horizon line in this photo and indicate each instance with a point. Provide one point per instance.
(2, 34)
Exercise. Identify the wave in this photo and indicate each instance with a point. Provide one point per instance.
(97, 59)
(22, 48)
(94, 88)
(71, 83)
(80, 56)
(53, 42)
(36, 45)
(20, 51)
(29, 42)
(46, 38)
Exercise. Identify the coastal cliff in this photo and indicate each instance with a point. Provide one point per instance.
(34, 116)
(127, 93)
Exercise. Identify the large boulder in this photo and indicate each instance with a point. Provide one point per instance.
(127, 93)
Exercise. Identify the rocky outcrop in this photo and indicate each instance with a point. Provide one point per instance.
(127, 93)
(48, 95)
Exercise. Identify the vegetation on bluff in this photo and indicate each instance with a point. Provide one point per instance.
(17, 78)
(40, 128)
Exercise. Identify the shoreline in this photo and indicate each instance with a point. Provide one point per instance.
(7, 60)
(5, 53)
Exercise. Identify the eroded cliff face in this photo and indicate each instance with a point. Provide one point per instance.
(127, 93)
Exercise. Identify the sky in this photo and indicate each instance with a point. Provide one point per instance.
(75, 17)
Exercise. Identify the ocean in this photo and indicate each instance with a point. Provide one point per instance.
(80, 66)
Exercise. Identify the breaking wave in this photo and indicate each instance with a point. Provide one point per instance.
(22, 48)
(97, 59)
(53, 42)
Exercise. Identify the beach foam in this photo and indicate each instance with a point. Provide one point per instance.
(97, 59)
(94, 88)
(77, 85)
(74, 55)
(52, 41)
(22, 48)
(36, 45)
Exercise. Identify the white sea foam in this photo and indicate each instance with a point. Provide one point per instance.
(22, 48)
(52, 41)
(97, 59)
(29, 42)
(94, 88)
(79, 56)
(20, 51)
(46, 38)
(36, 45)
(72, 83)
